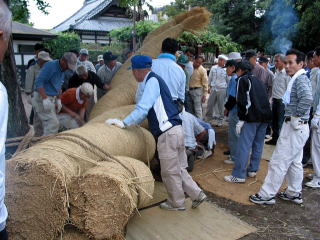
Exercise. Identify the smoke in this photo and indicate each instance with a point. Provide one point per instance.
(281, 20)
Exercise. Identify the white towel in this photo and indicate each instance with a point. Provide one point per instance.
(287, 94)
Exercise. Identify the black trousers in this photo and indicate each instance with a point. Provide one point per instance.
(4, 234)
(277, 117)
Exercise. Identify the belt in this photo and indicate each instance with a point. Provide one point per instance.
(190, 89)
(288, 119)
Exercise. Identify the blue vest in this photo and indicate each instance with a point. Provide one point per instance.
(164, 114)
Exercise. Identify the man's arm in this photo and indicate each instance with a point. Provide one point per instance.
(149, 97)
(304, 94)
(242, 93)
(91, 67)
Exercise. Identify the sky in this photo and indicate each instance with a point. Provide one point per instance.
(62, 9)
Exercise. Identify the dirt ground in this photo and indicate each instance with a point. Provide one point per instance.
(282, 221)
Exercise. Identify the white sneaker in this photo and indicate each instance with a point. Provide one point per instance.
(228, 161)
(207, 154)
(234, 179)
(313, 184)
(252, 174)
(199, 200)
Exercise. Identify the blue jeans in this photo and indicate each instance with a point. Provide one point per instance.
(232, 134)
(251, 138)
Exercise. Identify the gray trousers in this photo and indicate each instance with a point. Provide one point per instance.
(215, 107)
(50, 122)
(173, 162)
(232, 134)
(315, 152)
(195, 100)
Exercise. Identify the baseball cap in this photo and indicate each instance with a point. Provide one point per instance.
(250, 53)
(140, 62)
(263, 59)
(183, 59)
(100, 57)
(84, 51)
(44, 56)
(235, 56)
(108, 56)
(224, 57)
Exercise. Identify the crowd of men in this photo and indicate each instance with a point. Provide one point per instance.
(256, 95)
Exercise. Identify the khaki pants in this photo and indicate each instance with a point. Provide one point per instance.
(173, 161)
(215, 106)
(67, 121)
(50, 122)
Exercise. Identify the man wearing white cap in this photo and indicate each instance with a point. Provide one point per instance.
(48, 84)
(218, 82)
(74, 104)
(83, 60)
(235, 56)
(100, 62)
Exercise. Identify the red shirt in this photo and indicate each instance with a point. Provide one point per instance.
(69, 100)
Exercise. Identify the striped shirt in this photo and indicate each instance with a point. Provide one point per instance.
(300, 99)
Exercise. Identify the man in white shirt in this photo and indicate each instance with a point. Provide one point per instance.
(280, 83)
(5, 31)
(218, 82)
(83, 60)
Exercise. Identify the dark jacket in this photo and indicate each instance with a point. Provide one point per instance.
(252, 100)
(75, 81)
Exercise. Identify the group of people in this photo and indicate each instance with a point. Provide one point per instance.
(63, 91)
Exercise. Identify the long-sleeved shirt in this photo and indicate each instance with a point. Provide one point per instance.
(149, 96)
(50, 78)
(300, 98)
(106, 75)
(188, 70)
(191, 128)
(88, 64)
(4, 109)
(316, 100)
(172, 74)
(31, 74)
(231, 104)
(314, 78)
(280, 84)
(262, 74)
(199, 79)
(218, 79)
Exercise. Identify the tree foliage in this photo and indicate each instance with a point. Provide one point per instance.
(20, 10)
(62, 43)
(142, 30)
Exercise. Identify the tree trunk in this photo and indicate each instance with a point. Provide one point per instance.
(17, 121)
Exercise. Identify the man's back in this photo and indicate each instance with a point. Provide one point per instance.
(173, 76)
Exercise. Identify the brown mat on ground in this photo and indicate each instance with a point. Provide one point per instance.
(206, 223)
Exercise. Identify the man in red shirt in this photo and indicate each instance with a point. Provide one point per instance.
(74, 104)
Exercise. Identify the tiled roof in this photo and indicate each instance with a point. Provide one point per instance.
(19, 28)
(83, 19)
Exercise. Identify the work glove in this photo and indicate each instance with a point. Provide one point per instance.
(59, 105)
(239, 127)
(296, 123)
(116, 122)
(315, 122)
(47, 104)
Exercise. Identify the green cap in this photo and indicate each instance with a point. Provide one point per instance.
(183, 59)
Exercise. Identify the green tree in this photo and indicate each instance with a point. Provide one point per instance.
(62, 43)
(20, 11)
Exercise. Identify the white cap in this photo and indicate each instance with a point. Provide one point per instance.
(224, 57)
(84, 51)
(235, 56)
(44, 56)
(100, 57)
(87, 89)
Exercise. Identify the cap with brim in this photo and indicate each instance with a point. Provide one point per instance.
(140, 62)
(108, 56)
(250, 54)
(44, 56)
(263, 60)
(100, 57)
(235, 56)
(183, 59)
(224, 57)
(84, 51)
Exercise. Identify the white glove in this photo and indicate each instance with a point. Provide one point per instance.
(239, 127)
(47, 104)
(59, 105)
(296, 123)
(315, 122)
(118, 123)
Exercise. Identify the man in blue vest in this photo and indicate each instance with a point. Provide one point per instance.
(157, 105)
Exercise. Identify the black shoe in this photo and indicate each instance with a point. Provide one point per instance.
(286, 197)
(271, 142)
(226, 152)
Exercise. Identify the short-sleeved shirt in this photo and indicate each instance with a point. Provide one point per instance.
(70, 100)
